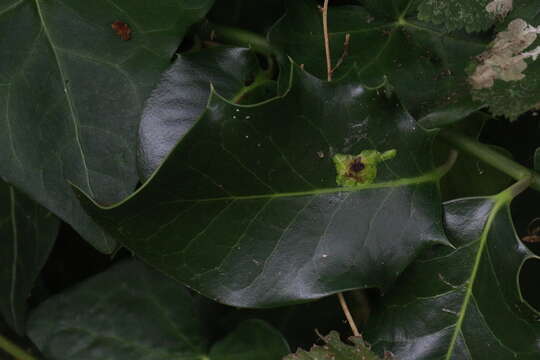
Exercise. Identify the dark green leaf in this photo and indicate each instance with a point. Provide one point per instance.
(248, 14)
(71, 93)
(335, 349)
(130, 312)
(537, 159)
(182, 94)
(425, 65)
(252, 340)
(27, 234)
(246, 208)
(464, 302)
(471, 15)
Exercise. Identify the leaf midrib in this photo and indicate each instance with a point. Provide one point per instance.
(67, 92)
(432, 176)
(499, 204)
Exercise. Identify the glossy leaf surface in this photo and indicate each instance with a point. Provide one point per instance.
(182, 94)
(464, 303)
(132, 312)
(386, 40)
(27, 235)
(71, 93)
(246, 208)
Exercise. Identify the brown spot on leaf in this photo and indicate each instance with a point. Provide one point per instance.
(122, 29)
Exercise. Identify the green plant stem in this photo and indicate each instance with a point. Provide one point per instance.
(14, 350)
(491, 157)
(243, 38)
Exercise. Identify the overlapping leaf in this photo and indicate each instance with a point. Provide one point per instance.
(424, 64)
(464, 302)
(130, 312)
(27, 234)
(182, 94)
(71, 93)
(246, 208)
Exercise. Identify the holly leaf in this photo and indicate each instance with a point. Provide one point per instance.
(71, 93)
(247, 209)
(171, 110)
(28, 233)
(334, 348)
(506, 76)
(132, 312)
(464, 302)
(386, 40)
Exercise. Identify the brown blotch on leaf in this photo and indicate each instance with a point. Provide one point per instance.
(357, 165)
(354, 168)
(122, 29)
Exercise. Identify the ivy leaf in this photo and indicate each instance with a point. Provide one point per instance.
(71, 93)
(132, 312)
(506, 76)
(335, 349)
(464, 302)
(471, 15)
(28, 232)
(247, 211)
(172, 110)
(386, 42)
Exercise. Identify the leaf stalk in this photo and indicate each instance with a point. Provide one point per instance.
(491, 157)
(14, 350)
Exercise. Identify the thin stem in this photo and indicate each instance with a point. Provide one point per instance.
(326, 41)
(491, 157)
(243, 38)
(14, 350)
(348, 315)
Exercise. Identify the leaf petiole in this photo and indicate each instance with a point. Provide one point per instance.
(14, 350)
(492, 157)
